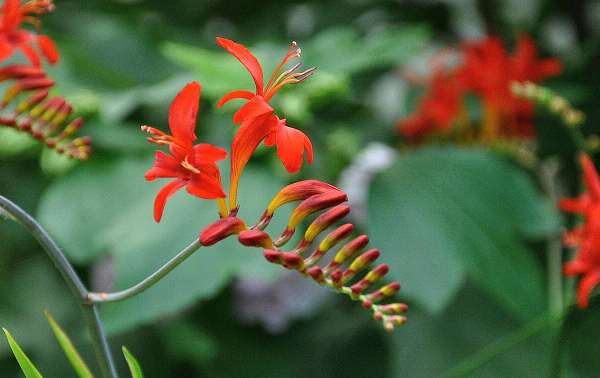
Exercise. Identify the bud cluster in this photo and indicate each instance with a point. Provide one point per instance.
(545, 97)
(44, 117)
(342, 272)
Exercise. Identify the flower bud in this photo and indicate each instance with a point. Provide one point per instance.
(360, 263)
(384, 292)
(330, 241)
(372, 277)
(325, 220)
(298, 191)
(255, 238)
(347, 251)
(221, 229)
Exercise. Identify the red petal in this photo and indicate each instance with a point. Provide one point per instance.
(163, 195)
(256, 107)
(6, 48)
(183, 113)
(246, 58)
(590, 175)
(237, 94)
(574, 205)
(165, 166)
(586, 285)
(205, 153)
(205, 186)
(48, 48)
(291, 144)
(11, 15)
(245, 141)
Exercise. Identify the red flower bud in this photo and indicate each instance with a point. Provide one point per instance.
(255, 238)
(298, 191)
(221, 229)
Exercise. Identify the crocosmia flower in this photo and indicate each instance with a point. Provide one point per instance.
(486, 72)
(13, 37)
(585, 238)
(190, 165)
(257, 119)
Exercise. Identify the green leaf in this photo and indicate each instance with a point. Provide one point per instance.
(27, 366)
(106, 208)
(134, 365)
(71, 352)
(438, 211)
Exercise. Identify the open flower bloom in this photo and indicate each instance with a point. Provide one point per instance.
(586, 238)
(12, 37)
(486, 71)
(257, 118)
(191, 166)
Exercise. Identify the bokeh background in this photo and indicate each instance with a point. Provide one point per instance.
(464, 229)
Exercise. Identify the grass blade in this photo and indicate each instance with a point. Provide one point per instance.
(72, 354)
(27, 366)
(134, 365)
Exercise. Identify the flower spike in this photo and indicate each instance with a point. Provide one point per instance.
(340, 273)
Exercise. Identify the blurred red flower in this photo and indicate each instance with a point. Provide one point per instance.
(191, 166)
(586, 238)
(486, 71)
(13, 37)
(257, 118)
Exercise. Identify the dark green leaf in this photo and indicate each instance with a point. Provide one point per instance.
(27, 366)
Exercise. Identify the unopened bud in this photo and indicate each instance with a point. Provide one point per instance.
(221, 229)
(255, 238)
(325, 220)
(330, 241)
(347, 251)
(360, 263)
(315, 203)
(298, 191)
(372, 277)
(384, 292)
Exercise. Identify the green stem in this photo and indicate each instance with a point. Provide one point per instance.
(485, 355)
(147, 282)
(548, 173)
(78, 289)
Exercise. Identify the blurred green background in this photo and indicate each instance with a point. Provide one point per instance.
(464, 230)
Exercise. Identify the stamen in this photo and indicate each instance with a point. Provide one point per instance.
(293, 52)
(186, 164)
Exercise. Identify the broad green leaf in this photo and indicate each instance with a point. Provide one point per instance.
(71, 352)
(106, 208)
(578, 343)
(25, 363)
(13, 142)
(438, 211)
(473, 322)
(134, 365)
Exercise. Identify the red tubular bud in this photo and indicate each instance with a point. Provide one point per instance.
(314, 204)
(393, 308)
(347, 251)
(360, 263)
(292, 260)
(336, 278)
(392, 321)
(32, 100)
(384, 292)
(26, 84)
(20, 71)
(221, 229)
(298, 191)
(325, 220)
(272, 256)
(8, 120)
(316, 273)
(372, 277)
(330, 241)
(255, 238)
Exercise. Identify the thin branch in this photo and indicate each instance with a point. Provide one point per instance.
(78, 289)
(147, 282)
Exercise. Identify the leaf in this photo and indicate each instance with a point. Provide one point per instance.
(71, 352)
(454, 209)
(106, 208)
(578, 342)
(27, 367)
(134, 365)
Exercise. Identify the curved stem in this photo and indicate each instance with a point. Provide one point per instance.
(147, 282)
(73, 281)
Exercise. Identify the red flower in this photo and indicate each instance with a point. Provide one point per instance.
(438, 108)
(257, 118)
(192, 166)
(487, 70)
(586, 238)
(12, 37)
